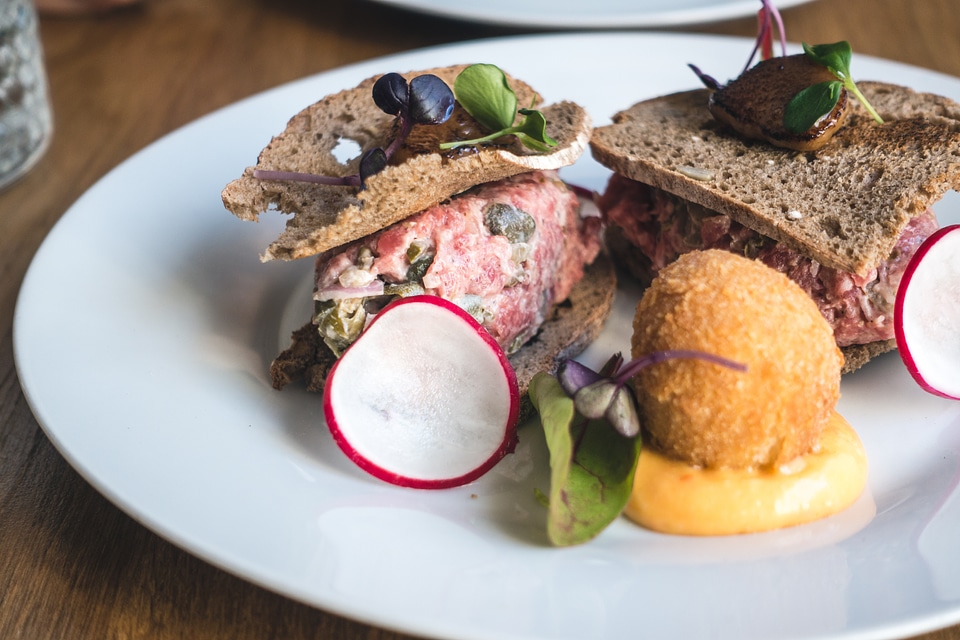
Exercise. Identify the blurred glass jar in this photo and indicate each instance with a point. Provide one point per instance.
(25, 118)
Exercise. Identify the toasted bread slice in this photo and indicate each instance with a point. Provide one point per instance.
(573, 325)
(329, 216)
(844, 205)
(857, 355)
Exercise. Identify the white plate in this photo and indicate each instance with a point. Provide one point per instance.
(599, 14)
(146, 322)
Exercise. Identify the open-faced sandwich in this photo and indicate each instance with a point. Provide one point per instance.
(839, 201)
(452, 196)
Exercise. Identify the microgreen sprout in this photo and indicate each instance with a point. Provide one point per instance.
(592, 465)
(816, 101)
(605, 394)
(768, 17)
(483, 91)
(426, 99)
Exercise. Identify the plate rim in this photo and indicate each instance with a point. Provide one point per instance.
(158, 527)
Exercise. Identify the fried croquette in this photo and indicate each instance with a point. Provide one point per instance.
(713, 416)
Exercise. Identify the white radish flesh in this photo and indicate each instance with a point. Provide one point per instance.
(927, 319)
(424, 398)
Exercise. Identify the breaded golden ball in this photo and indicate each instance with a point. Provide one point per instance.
(713, 416)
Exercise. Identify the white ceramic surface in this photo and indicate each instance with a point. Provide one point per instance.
(146, 323)
(597, 14)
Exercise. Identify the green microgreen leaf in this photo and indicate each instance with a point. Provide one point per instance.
(533, 130)
(811, 104)
(591, 466)
(836, 57)
(483, 91)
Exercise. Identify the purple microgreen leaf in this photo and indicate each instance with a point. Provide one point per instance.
(622, 413)
(574, 375)
(425, 100)
(391, 93)
(708, 81)
(372, 162)
(431, 100)
(593, 400)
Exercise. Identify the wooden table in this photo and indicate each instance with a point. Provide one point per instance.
(71, 564)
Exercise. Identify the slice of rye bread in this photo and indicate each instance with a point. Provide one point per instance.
(572, 325)
(844, 205)
(329, 216)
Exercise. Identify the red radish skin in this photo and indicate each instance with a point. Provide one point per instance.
(425, 398)
(927, 320)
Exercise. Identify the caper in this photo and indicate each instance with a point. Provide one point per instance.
(365, 258)
(504, 219)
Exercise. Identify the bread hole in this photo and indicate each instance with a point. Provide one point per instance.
(869, 178)
(831, 227)
(346, 150)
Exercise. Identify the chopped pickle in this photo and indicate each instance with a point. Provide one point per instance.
(507, 220)
(417, 249)
(473, 304)
(404, 289)
(340, 322)
(418, 268)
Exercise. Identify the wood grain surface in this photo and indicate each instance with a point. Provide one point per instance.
(71, 564)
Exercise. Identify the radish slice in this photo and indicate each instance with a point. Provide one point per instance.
(425, 397)
(927, 320)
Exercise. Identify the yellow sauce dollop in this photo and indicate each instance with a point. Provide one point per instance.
(671, 496)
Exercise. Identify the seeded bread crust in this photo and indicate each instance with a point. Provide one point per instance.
(844, 205)
(328, 216)
(573, 325)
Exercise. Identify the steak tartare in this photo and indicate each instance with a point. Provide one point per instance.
(505, 251)
(649, 228)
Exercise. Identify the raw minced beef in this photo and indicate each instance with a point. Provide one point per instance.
(661, 226)
(506, 251)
